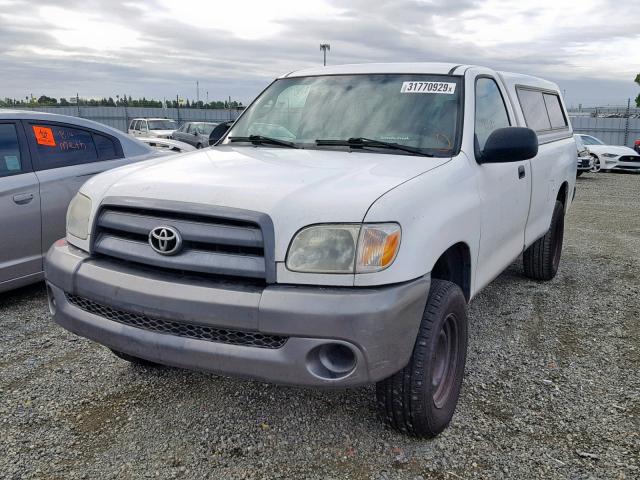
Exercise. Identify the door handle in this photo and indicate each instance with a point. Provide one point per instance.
(22, 198)
(521, 171)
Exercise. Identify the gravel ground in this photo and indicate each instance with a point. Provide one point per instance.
(552, 388)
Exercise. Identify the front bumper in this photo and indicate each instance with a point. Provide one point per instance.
(585, 163)
(377, 325)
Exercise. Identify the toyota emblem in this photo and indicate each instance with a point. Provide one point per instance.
(165, 240)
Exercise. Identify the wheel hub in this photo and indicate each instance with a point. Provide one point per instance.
(443, 363)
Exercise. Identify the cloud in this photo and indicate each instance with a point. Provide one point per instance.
(160, 48)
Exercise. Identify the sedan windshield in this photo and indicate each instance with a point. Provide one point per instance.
(417, 111)
(162, 125)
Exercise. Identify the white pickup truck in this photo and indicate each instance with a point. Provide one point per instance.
(332, 237)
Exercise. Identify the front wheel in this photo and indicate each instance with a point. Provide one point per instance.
(596, 164)
(542, 259)
(421, 398)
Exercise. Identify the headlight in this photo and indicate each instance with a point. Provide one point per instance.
(344, 248)
(78, 216)
(609, 155)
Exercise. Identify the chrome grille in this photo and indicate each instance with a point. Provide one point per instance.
(179, 329)
(213, 245)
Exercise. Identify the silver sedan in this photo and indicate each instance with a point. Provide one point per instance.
(44, 159)
(195, 133)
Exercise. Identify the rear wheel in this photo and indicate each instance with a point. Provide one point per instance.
(135, 360)
(541, 260)
(421, 398)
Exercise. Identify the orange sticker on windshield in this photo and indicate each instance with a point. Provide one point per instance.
(44, 136)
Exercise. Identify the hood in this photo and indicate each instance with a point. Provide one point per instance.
(295, 188)
(614, 149)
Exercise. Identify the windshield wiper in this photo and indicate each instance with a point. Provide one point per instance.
(260, 139)
(360, 142)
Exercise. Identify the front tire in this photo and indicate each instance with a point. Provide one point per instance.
(542, 259)
(597, 166)
(421, 398)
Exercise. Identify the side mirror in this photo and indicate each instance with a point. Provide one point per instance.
(219, 132)
(511, 144)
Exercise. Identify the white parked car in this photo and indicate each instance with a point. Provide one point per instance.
(585, 160)
(333, 237)
(167, 145)
(611, 157)
(152, 127)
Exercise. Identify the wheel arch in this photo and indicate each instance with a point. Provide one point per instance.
(454, 265)
(563, 194)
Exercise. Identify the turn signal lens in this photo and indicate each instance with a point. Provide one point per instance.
(378, 247)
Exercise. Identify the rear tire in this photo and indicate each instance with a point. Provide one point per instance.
(542, 259)
(135, 360)
(421, 398)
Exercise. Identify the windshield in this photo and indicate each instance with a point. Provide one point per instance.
(419, 111)
(162, 125)
(589, 140)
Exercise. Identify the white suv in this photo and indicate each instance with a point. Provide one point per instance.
(152, 127)
(333, 237)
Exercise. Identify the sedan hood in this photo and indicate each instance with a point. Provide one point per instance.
(613, 149)
(294, 187)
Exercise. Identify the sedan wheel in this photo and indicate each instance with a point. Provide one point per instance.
(596, 164)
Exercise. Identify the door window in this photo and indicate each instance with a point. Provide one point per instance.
(107, 147)
(10, 159)
(60, 146)
(491, 112)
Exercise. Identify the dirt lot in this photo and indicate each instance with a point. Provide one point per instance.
(552, 388)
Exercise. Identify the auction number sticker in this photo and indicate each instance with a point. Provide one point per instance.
(448, 88)
(44, 136)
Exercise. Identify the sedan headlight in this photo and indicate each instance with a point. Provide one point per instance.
(609, 155)
(344, 248)
(78, 216)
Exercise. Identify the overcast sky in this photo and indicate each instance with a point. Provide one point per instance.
(159, 48)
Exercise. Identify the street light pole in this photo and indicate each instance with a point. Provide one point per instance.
(325, 47)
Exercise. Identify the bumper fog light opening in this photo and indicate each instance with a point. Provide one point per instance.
(331, 361)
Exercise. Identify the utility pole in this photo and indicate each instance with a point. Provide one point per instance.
(324, 47)
(626, 125)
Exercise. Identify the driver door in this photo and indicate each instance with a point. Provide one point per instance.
(505, 188)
